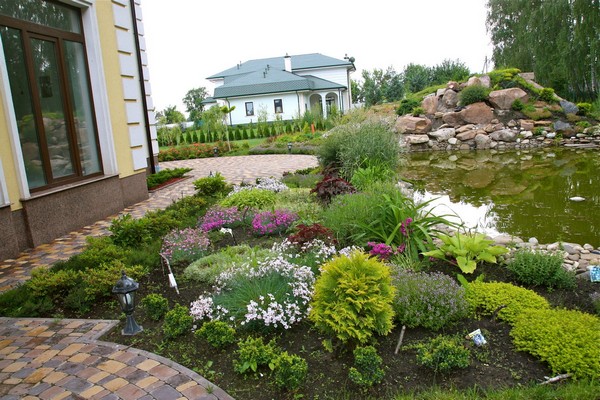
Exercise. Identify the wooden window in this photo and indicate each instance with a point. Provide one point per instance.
(249, 108)
(44, 49)
(278, 106)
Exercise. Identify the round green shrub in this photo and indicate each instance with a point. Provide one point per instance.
(505, 299)
(211, 185)
(253, 199)
(547, 95)
(177, 322)
(407, 105)
(155, 306)
(253, 353)
(217, 333)
(473, 94)
(289, 371)
(430, 300)
(367, 370)
(353, 298)
(541, 269)
(568, 340)
(517, 105)
(584, 108)
(443, 354)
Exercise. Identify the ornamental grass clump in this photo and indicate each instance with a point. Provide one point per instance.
(430, 300)
(273, 222)
(218, 217)
(353, 299)
(273, 294)
(185, 245)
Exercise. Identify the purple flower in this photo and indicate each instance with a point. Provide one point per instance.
(217, 217)
(267, 223)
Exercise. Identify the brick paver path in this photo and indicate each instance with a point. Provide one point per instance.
(62, 359)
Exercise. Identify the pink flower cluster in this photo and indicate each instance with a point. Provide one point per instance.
(405, 227)
(384, 251)
(184, 244)
(217, 217)
(268, 223)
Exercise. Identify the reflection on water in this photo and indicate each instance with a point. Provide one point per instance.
(522, 193)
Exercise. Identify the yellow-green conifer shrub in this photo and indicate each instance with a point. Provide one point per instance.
(568, 340)
(353, 298)
(506, 299)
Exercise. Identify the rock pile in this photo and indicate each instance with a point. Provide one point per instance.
(491, 124)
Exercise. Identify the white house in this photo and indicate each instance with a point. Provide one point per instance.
(284, 87)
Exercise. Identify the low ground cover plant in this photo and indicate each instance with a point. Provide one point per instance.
(164, 175)
(155, 306)
(443, 353)
(367, 370)
(217, 333)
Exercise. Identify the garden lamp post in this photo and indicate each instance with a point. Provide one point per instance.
(216, 151)
(125, 289)
(289, 147)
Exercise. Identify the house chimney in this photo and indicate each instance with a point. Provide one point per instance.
(287, 62)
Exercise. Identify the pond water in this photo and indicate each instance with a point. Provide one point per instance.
(521, 193)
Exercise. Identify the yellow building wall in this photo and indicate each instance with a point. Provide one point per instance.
(8, 162)
(112, 74)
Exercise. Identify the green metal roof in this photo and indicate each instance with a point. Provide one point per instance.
(299, 62)
(272, 81)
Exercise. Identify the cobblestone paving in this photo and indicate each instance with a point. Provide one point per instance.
(62, 359)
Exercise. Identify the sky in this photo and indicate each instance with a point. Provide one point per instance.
(188, 40)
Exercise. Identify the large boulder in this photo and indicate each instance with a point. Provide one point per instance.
(527, 124)
(504, 99)
(453, 119)
(409, 124)
(430, 104)
(568, 107)
(479, 80)
(504, 135)
(442, 135)
(416, 139)
(482, 141)
(477, 113)
(468, 135)
(449, 100)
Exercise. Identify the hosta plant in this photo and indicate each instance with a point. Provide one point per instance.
(466, 250)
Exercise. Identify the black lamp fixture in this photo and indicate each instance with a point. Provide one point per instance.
(289, 147)
(216, 151)
(125, 289)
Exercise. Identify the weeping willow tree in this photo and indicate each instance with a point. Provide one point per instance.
(559, 40)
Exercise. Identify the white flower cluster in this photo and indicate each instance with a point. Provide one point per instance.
(321, 251)
(291, 307)
(272, 184)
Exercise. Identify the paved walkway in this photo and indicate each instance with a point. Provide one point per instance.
(63, 359)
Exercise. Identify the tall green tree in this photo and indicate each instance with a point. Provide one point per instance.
(170, 115)
(559, 40)
(381, 86)
(193, 102)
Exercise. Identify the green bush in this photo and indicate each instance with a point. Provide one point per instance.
(473, 94)
(19, 302)
(289, 371)
(211, 185)
(584, 108)
(217, 333)
(353, 298)
(250, 199)
(155, 306)
(367, 370)
(98, 282)
(547, 95)
(131, 232)
(177, 322)
(253, 353)
(443, 353)
(566, 339)
(417, 111)
(541, 269)
(505, 299)
(502, 75)
(298, 180)
(164, 175)
(430, 300)
(517, 105)
(407, 105)
(98, 250)
(595, 299)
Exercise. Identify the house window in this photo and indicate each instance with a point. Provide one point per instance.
(249, 108)
(46, 64)
(278, 106)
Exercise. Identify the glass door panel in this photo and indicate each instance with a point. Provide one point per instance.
(12, 43)
(46, 77)
(85, 127)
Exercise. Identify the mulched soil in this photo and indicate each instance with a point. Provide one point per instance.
(495, 365)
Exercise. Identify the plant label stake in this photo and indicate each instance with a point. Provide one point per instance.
(171, 276)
